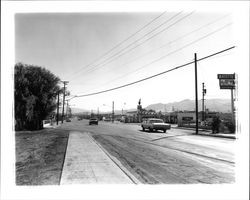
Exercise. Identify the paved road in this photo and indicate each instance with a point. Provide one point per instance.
(175, 157)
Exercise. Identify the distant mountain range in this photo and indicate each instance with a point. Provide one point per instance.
(78, 110)
(218, 105)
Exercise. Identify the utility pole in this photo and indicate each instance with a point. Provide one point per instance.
(98, 113)
(196, 92)
(57, 110)
(64, 83)
(204, 91)
(67, 108)
(205, 114)
(113, 112)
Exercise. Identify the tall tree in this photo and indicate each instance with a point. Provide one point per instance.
(35, 95)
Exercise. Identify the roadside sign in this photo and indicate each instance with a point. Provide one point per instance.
(226, 81)
(226, 76)
(227, 84)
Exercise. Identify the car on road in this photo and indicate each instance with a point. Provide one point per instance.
(93, 121)
(155, 124)
(68, 120)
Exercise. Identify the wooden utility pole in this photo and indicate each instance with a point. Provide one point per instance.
(113, 112)
(57, 110)
(64, 83)
(196, 93)
(203, 94)
(67, 108)
(98, 113)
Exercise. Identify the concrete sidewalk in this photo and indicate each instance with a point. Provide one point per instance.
(85, 162)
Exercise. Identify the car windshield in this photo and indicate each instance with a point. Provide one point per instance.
(156, 121)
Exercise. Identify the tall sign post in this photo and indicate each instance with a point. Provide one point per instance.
(227, 81)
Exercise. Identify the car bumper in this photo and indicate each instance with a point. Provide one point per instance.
(161, 127)
(93, 123)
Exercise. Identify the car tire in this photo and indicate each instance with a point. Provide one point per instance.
(150, 130)
(164, 131)
(143, 128)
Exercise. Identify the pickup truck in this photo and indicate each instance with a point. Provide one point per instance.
(155, 124)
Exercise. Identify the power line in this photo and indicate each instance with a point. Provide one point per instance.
(177, 39)
(117, 45)
(117, 54)
(189, 44)
(102, 63)
(153, 76)
(164, 56)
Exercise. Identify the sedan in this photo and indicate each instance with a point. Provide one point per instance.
(155, 124)
(93, 121)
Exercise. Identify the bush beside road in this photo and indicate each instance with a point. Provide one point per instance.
(40, 156)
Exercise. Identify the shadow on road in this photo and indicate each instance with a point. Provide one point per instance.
(153, 132)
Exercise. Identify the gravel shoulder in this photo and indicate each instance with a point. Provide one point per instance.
(40, 156)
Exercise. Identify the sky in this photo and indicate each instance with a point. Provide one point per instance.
(98, 51)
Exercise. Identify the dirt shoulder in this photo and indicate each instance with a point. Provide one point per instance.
(40, 156)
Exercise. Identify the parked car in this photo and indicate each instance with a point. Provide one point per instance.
(155, 124)
(93, 121)
(68, 120)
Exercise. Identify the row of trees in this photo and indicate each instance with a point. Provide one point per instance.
(35, 94)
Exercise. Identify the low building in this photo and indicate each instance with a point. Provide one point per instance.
(131, 117)
(171, 117)
(186, 117)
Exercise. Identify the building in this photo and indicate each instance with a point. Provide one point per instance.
(186, 117)
(171, 117)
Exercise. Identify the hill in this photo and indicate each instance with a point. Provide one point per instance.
(219, 105)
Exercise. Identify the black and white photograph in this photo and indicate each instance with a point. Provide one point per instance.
(125, 100)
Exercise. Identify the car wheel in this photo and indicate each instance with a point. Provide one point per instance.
(164, 131)
(143, 128)
(150, 129)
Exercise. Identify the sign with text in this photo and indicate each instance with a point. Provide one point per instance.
(226, 81)
(227, 84)
(226, 76)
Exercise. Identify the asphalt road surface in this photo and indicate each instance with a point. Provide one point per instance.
(174, 157)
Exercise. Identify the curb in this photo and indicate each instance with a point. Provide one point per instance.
(208, 133)
(220, 136)
(117, 162)
(185, 128)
